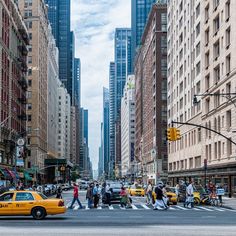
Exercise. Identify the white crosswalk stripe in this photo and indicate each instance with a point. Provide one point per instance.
(145, 207)
(134, 207)
(204, 208)
(182, 208)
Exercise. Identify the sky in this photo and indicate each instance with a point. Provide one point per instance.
(94, 23)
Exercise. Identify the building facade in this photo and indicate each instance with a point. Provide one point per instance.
(209, 43)
(105, 131)
(13, 83)
(111, 117)
(140, 10)
(59, 17)
(53, 85)
(35, 17)
(152, 57)
(63, 135)
(128, 128)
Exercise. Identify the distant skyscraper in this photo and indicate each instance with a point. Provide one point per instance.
(139, 13)
(59, 17)
(71, 84)
(105, 144)
(122, 64)
(86, 125)
(111, 117)
(77, 79)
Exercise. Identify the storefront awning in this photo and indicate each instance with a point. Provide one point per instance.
(27, 176)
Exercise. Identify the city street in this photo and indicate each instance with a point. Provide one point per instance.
(140, 220)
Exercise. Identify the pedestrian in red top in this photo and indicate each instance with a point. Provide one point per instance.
(76, 197)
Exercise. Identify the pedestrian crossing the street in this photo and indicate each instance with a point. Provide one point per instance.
(150, 207)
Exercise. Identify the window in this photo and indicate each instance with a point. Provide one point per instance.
(30, 59)
(227, 38)
(28, 94)
(29, 118)
(7, 197)
(217, 74)
(227, 10)
(198, 47)
(215, 4)
(228, 87)
(216, 24)
(28, 3)
(207, 37)
(207, 105)
(164, 22)
(28, 13)
(197, 29)
(228, 119)
(198, 10)
(24, 197)
(228, 62)
(207, 82)
(198, 68)
(207, 13)
(207, 60)
(29, 106)
(29, 83)
(216, 101)
(216, 49)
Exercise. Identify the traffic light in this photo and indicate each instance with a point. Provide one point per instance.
(169, 134)
(173, 134)
(177, 134)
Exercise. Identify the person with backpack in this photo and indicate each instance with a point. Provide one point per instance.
(59, 192)
(160, 201)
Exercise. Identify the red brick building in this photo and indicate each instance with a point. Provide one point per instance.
(151, 96)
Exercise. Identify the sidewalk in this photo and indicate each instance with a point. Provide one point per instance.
(229, 202)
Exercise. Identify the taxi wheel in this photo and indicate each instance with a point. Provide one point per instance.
(38, 213)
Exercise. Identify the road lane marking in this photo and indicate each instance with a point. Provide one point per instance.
(204, 208)
(76, 208)
(182, 208)
(145, 207)
(172, 208)
(86, 208)
(134, 207)
(99, 208)
(111, 207)
(196, 209)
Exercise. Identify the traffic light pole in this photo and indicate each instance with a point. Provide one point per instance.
(201, 126)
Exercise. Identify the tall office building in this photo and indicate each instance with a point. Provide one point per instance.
(105, 131)
(122, 64)
(151, 96)
(77, 80)
(139, 14)
(122, 70)
(35, 16)
(128, 128)
(59, 17)
(13, 83)
(206, 65)
(111, 117)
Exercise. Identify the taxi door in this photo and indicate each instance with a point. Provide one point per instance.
(24, 202)
(6, 203)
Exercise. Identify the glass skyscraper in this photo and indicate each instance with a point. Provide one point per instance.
(111, 117)
(122, 64)
(59, 17)
(140, 11)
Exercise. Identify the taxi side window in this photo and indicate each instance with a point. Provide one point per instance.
(24, 197)
(7, 197)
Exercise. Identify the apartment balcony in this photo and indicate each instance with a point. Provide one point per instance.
(22, 100)
(23, 50)
(22, 116)
(23, 83)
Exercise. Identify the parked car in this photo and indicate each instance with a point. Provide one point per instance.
(66, 187)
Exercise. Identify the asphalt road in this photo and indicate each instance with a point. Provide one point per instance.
(135, 221)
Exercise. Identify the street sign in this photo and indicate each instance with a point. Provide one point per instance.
(20, 142)
(153, 153)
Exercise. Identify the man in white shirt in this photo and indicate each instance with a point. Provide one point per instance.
(189, 195)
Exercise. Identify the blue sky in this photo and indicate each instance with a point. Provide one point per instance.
(94, 22)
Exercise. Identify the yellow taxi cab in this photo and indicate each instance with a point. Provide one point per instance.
(136, 190)
(26, 203)
(170, 193)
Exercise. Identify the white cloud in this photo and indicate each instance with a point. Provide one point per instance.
(94, 21)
